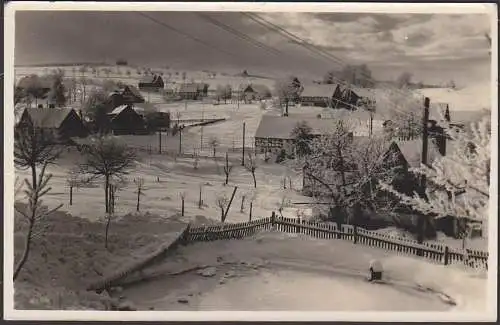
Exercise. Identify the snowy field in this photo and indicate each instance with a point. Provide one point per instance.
(288, 272)
(178, 177)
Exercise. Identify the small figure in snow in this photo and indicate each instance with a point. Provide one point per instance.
(375, 270)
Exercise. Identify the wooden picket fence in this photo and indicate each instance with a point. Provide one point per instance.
(434, 252)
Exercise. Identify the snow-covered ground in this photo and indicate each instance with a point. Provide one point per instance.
(274, 271)
(163, 197)
(470, 98)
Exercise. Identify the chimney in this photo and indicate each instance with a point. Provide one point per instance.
(447, 116)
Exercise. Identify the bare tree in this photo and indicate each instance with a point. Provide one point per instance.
(252, 196)
(115, 184)
(106, 157)
(73, 180)
(227, 169)
(214, 143)
(223, 203)
(283, 203)
(196, 159)
(182, 195)
(34, 213)
(287, 91)
(200, 199)
(139, 182)
(251, 166)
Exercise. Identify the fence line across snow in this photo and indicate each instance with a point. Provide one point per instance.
(434, 252)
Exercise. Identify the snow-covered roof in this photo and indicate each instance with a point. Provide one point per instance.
(315, 90)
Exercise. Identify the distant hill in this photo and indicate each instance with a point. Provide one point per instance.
(67, 64)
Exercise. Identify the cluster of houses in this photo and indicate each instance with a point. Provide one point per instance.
(127, 112)
(276, 133)
(335, 96)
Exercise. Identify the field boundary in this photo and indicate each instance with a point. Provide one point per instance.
(229, 231)
(434, 252)
(164, 249)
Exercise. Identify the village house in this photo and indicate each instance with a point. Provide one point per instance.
(58, 124)
(274, 133)
(356, 98)
(193, 91)
(127, 119)
(151, 83)
(256, 92)
(126, 95)
(321, 95)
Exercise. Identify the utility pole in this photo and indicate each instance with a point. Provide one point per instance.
(201, 130)
(423, 180)
(243, 155)
(180, 139)
(371, 123)
(159, 141)
(425, 132)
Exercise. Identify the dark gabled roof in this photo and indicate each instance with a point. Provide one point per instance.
(47, 117)
(412, 151)
(362, 92)
(148, 79)
(258, 88)
(134, 90)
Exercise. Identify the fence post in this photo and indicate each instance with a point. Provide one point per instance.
(446, 256)
(273, 219)
(355, 234)
(299, 224)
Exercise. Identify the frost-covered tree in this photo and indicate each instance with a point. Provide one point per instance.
(342, 170)
(402, 109)
(458, 183)
(34, 212)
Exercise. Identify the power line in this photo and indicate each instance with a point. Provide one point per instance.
(185, 34)
(239, 34)
(301, 42)
(291, 37)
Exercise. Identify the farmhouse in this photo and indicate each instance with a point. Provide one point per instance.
(353, 97)
(321, 95)
(58, 124)
(403, 154)
(127, 119)
(151, 83)
(256, 92)
(152, 118)
(275, 132)
(126, 95)
(193, 91)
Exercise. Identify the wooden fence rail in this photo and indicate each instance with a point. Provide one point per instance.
(434, 252)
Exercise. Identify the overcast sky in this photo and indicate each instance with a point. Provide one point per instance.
(434, 48)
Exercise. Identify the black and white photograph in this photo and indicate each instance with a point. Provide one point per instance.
(278, 161)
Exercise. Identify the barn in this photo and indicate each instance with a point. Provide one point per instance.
(126, 119)
(151, 83)
(59, 124)
(321, 95)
